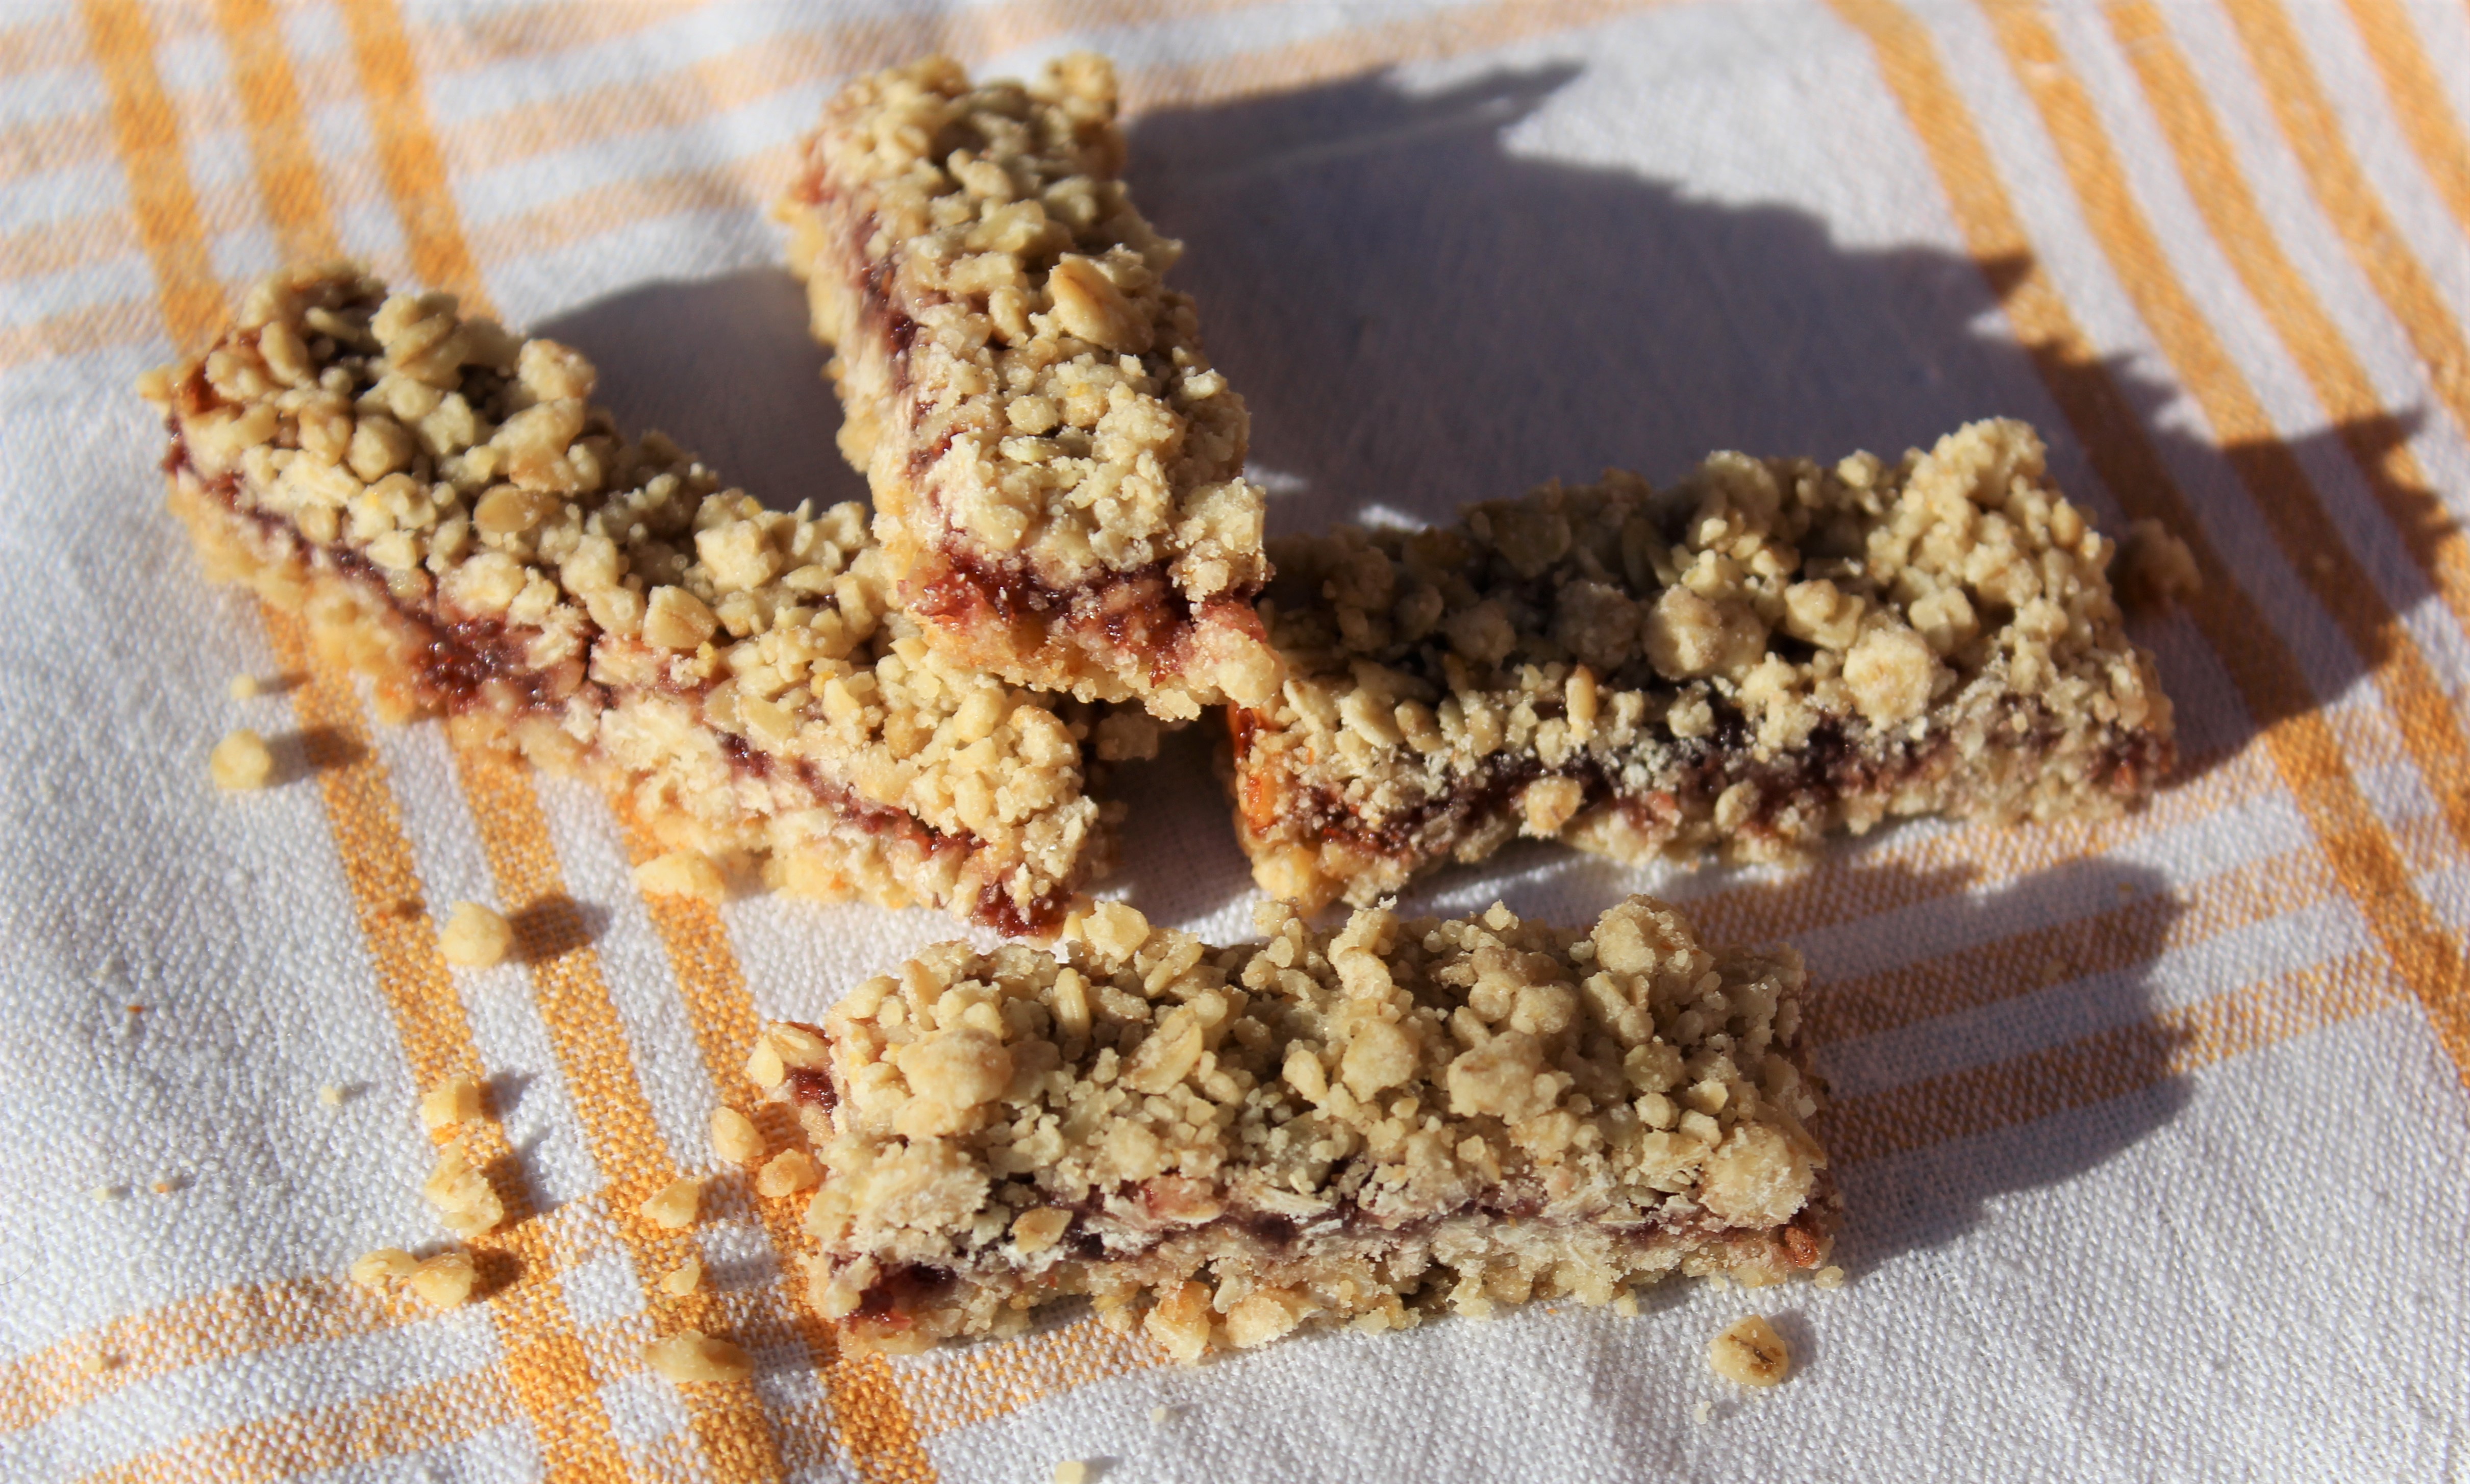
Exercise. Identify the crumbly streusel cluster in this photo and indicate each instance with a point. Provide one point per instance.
(1321, 1127)
(1057, 472)
(1768, 650)
(444, 500)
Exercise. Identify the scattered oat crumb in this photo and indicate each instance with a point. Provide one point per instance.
(675, 1206)
(245, 688)
(683, 1279)
(682, 873)
(474, 937)
(94, 1363)
(135, 1009)
(332, 1095)
(1160, 1414)
(443, 1280)
(734, 1137)
(1750, 1352)
(109, 1192)
(1072, 1470)
(376, 1271)
(787, 1173)
(1703, 1413)
(1828, 1277)
(2155, 567)
(1718, 1282)
(168, 1183)
(690, 1357)
(241, 761)
(451, 1102)
(467, 1205)
(1626, 1306)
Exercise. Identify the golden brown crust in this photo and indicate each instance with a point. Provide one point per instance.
(452, 515)
(1354, 1127)
(1057, 472)
(1767, 652)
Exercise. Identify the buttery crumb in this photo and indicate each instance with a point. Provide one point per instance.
(169, 1184)
(110, 1192)
(1703, 1413)
(2155, 567)
(1828, 1277)
(453, 1101)
(332, 1094)
(474, 937)
(734, 1137)
(241, 761)
(683, 1279)
(1751, 1353)
(443, 1280)
(692, 1357)
(1160, 1414)
(465, 1200)
(1626, 1306)
(788, 1172)
(379, 1269)
(675, 1206)
(682, 873)
(1072, 1470)
(94, 1363)
(245, 688)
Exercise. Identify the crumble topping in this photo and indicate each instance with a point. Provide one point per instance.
(1057, 472)
(1358, 1128)
(1750, 1352)
(1768, 650)
(683, 1279)
(450, 510)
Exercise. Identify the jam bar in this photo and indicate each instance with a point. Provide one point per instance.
(442, 502)
(1057, 472)
(1223, 1146)
(1767, 651)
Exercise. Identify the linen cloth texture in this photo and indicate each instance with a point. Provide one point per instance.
(2151, 1133)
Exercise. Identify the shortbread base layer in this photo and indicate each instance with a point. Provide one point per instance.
(1992, 761)
(1353, 1275)
(683, 783)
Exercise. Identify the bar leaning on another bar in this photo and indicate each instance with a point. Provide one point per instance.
(1765, 652)
(1224, 1145)
(1057, 472)
(452, 516)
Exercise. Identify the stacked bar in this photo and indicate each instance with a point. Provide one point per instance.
(1057, 472)
(1768, 651)
(452, 516)
(1224, 1145)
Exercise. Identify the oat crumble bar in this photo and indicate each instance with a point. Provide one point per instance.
(1227, 1144)
(1057, 472)
(450, 514)
(1767, 651)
